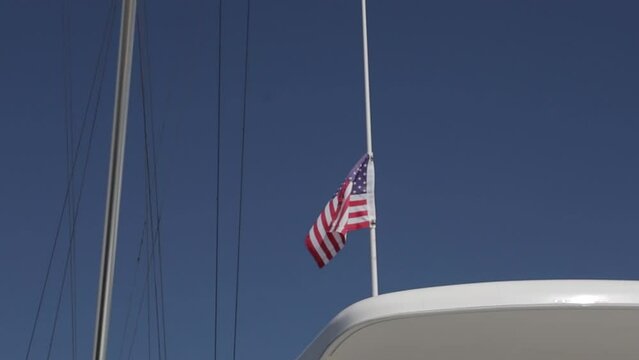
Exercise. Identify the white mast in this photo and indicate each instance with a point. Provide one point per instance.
(114, 188)
(369, 145)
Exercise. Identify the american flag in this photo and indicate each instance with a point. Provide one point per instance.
(351, 208)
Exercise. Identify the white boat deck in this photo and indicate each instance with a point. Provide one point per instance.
(515, 320)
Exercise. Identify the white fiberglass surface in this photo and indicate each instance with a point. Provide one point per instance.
(499, 335)
(524, 320)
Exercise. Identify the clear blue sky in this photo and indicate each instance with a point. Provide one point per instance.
(505, 136)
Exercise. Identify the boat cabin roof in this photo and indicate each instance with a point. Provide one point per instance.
(512, 320)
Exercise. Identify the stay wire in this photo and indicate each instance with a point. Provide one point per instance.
(137, 317)
(57, 309)
(242, 157)
(69, 125)
(76, 213)
(142, 298)
(217, 175)
(157, 315)
(149, 188)
(132, 293)
(145, 232)
(150, 229)
(97, 80)
(148, 303)
(145, 295)
(155, 164)
(74, 221)
(140, 306)
(151, 163)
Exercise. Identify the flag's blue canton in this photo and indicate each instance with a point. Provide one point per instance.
(359, 178)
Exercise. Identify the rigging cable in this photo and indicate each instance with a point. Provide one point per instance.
(141, 302)
(152, 176)
(130, 301)
(137, 317)
(148, 301)
(57, 310)
(76, 207)
(217, 190)
(140, 307)
(147, 185)
(69, 125)
(151, 228)
(96, 82)
(242, 157)
(154, 183)
(144, 295)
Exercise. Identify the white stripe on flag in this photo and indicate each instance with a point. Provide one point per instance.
(342, 217)
(358, 208)
(329, 221)
(357, 220)
(356, 197)
(325, 240)
(317, 247)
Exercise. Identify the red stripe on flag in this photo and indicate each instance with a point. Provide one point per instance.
(332, 209)
(342, 238)
(336, 246)
(311, 249)
(343, 210)
(356, 226)
(357, 202)
(322, 243)
(356, 214)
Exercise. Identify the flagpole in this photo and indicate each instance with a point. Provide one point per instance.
(369, 145)
(114, 188)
